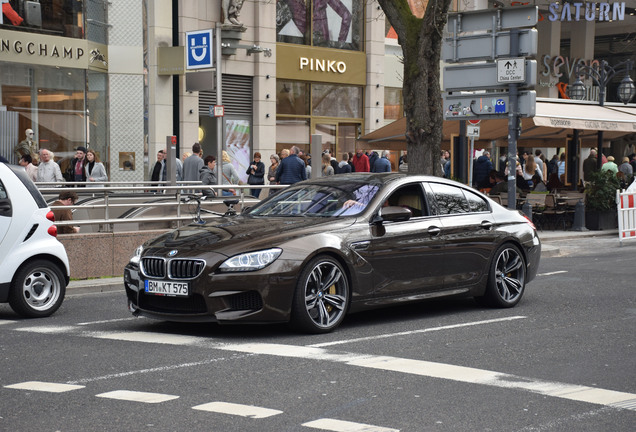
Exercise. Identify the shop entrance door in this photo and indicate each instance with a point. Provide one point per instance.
(338, 137)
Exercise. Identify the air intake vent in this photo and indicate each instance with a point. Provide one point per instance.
(185, 269)
(153, 267)
(31, 232)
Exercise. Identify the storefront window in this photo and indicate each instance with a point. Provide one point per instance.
(57, 18)
(393, 103)
(335, 23)
(292, 131)
(292, 98)
(331, 100)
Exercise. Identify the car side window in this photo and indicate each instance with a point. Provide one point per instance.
(411, 197)
(449, 199)
(477, 203)
(3, 191)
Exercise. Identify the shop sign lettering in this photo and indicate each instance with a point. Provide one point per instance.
(41, 49)
(579, 11)
(558, 65)
(323, 65)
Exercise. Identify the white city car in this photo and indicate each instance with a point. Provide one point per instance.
(34, 269)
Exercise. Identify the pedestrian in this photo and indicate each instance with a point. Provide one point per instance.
(343, 166)
(404, 166)
(373, 156)
(66, 198)
(481, 170)
(95, 171)
(307, 165)
(539, 162)
(75, 171)
(610, 165)
(229, 173)
(157, 169)
(193, 164)
(256, 174)
(48, 170)
(361, 162)
(626, 168)
(271, 172)
(561, 168)
(27, 162)
(353, 168)
(207, 176)
(382, 164)
(327, 169)
(291, 168)
(530, 170)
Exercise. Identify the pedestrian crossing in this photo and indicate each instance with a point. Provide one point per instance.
(216, 407)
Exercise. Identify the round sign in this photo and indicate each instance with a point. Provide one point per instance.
(474, 121)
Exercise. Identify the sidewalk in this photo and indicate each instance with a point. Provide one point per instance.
(549, 247)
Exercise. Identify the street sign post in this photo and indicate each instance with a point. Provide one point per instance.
(487, 106)
(483, 47)
(483, 76)
(513, 70)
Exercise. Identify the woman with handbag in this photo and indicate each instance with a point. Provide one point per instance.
(230, 176)
(256, 172)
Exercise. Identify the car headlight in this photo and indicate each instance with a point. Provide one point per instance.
(250, 261)
(137, 256)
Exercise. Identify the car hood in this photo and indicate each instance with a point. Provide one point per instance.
(229, 236)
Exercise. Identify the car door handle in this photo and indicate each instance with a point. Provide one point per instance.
(360, 246)
(486, 225)
(434, 231)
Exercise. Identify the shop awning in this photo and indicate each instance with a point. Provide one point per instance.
(552, 124)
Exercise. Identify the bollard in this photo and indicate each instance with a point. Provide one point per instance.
(527, 210)
(579, 217)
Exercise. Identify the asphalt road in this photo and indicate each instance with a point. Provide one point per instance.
(563, 360)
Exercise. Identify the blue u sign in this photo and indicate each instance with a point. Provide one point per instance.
(199, 49)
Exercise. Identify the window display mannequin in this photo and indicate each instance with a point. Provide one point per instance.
(27, 146)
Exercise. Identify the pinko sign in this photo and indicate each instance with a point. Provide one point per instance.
(592, 11)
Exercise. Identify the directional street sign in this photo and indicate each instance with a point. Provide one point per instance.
(487, 106)
(512, 70)
(478, 76)
(514, 17)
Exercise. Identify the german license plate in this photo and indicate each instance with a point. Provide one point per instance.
(167, 288)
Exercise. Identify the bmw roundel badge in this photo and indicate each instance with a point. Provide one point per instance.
(172, 253)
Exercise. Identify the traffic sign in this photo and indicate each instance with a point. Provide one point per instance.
(507, 18)
(483, 76)
(200, 49)
(512, 70)
(472, 131)
(486, 106)
(474, 121)
(217, 110)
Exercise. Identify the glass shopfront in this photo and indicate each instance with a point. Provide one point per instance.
(53, 17)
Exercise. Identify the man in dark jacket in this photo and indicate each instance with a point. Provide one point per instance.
(291, 169)
(75, 171)
(481, 171)
(589, 165)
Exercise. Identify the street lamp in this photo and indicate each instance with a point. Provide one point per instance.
(601, 78)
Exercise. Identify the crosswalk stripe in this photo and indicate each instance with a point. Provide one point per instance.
(48, 329)
(44, 386)
(345, 426)
(7, 322)
(237, 409)
(149, 337)
(445, 371)
(135, 396)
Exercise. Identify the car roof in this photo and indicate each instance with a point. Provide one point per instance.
(375, 178)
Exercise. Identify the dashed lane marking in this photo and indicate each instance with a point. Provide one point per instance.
(238, 409)
(148, 337)
(345, 426)
(7, 322)
(411, 332)
(135, 396)
(44, 386)
(552, 273)
(109, 321)
(48, 329)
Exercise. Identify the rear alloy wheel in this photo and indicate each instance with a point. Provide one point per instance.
(37, 290)
(322, 296)
(507, 278)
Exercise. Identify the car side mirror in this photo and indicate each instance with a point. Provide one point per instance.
(395, 214)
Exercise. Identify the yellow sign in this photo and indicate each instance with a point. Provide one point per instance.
(304, 63)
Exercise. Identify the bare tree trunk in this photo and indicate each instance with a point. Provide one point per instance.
(421, 42)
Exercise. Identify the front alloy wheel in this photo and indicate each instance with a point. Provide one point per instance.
(322, 296)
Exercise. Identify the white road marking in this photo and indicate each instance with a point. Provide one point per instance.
(150, 337)
(135, 396)
(47, 329)
(44, 386)
(411, 332)
(238, 409)
(109, 321)
(447, 371)
(552, 273)
(7, 322)
(345, 426)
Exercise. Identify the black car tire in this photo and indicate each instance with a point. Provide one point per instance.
(506, 279)
(38, 289)
(322, 295)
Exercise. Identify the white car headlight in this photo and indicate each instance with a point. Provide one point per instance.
(137, 256)
(250, 261)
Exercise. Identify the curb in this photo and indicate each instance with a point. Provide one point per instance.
(95, 285)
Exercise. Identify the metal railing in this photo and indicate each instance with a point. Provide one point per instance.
(109, 204)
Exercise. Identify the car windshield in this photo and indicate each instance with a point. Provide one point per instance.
(319, 200)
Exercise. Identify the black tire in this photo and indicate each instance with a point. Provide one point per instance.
(38, 289)
(322, 296)
(506, 278)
